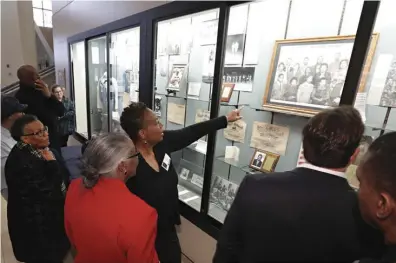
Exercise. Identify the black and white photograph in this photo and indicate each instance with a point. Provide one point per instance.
(184, 173)
(308, 75)
(388, 97)
(157, 105)
(176, 77)
(208, 63)
(258, 160)
(208, 32)
(234, 49)
(242, 77)
(223, 193)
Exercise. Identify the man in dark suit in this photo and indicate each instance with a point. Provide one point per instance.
(41, 103)
(307, 214)
(377, 194)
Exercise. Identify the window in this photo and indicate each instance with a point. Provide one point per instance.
(42, 12)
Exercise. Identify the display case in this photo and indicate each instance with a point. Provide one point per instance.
(281, 61)
(184, 71)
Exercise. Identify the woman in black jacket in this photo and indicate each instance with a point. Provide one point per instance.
(36, 193)
(156, 178)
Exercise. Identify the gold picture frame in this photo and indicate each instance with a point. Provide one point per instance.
(287, 101)
(264, 161)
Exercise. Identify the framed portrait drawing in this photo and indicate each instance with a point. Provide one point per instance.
(226, 92)
(308, 75)
(176, 77)
(264, 161)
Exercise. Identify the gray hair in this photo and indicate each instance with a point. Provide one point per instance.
(102, 156)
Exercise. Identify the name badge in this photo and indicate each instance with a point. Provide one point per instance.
(166, 162)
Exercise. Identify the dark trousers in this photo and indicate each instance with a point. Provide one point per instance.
(63, 140)
(168, 246)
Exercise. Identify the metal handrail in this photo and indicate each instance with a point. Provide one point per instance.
(12, 87)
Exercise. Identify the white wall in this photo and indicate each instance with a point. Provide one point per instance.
(73, 17)
(18, 39)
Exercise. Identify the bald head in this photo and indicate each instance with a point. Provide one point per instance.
(27, 75)
(379, 163)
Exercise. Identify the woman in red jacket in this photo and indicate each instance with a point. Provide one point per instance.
(103, 220)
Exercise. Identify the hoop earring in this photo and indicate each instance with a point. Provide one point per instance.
(145, 142)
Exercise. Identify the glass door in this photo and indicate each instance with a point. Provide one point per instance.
(183, 76)
(79, 86)
(124, 69)
(97, 79)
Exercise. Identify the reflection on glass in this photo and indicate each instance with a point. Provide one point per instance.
(79, 84)
(184, 58)
(300, 72)
(124, 63)
(98, 97)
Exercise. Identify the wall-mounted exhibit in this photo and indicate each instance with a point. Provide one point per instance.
(281, 61)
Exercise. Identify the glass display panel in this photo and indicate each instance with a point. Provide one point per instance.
(98, 98)
(184, 67)
(284, 62)
(379, 95)
(79, 85)
(124, 64)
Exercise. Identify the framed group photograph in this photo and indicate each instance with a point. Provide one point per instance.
(176, 77)
(242, 77)
(226, 92)
(264, 161)
(308, 75)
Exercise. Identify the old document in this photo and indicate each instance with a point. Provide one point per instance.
(269, 137)
(235, 131)
(176, 113)
(202, 115)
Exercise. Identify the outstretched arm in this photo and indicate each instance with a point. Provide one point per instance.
(179, 139)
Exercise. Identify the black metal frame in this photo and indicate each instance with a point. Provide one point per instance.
(147, 21)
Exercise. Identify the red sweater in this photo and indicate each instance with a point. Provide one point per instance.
(108, 224)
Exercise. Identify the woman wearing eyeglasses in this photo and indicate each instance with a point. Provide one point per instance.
(156, 179)
(104, 221)
(36, 183)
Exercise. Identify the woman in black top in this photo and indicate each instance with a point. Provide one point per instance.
(36, 179)
(156, 178)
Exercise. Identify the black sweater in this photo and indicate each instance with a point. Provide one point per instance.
(159, 189)
(47, 110)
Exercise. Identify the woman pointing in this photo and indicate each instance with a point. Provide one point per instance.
(156, 178)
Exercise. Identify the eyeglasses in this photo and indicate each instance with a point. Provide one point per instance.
(137, 154)
(40, 133)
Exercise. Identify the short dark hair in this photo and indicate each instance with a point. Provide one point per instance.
(379, 163)
(132, 119)
(331, 137)
(55, 86)
(19, 125)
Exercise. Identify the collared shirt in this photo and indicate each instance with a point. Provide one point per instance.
(321, 169)
(7, 143)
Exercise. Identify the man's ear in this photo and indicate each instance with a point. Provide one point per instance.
(354, 155)
(385, 206)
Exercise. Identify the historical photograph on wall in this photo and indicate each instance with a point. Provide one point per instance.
(176, 77)
(308, 75)
(223, 193)
(234, 49)
(242, 77)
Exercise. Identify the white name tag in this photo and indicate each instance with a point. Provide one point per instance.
(166, 162)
